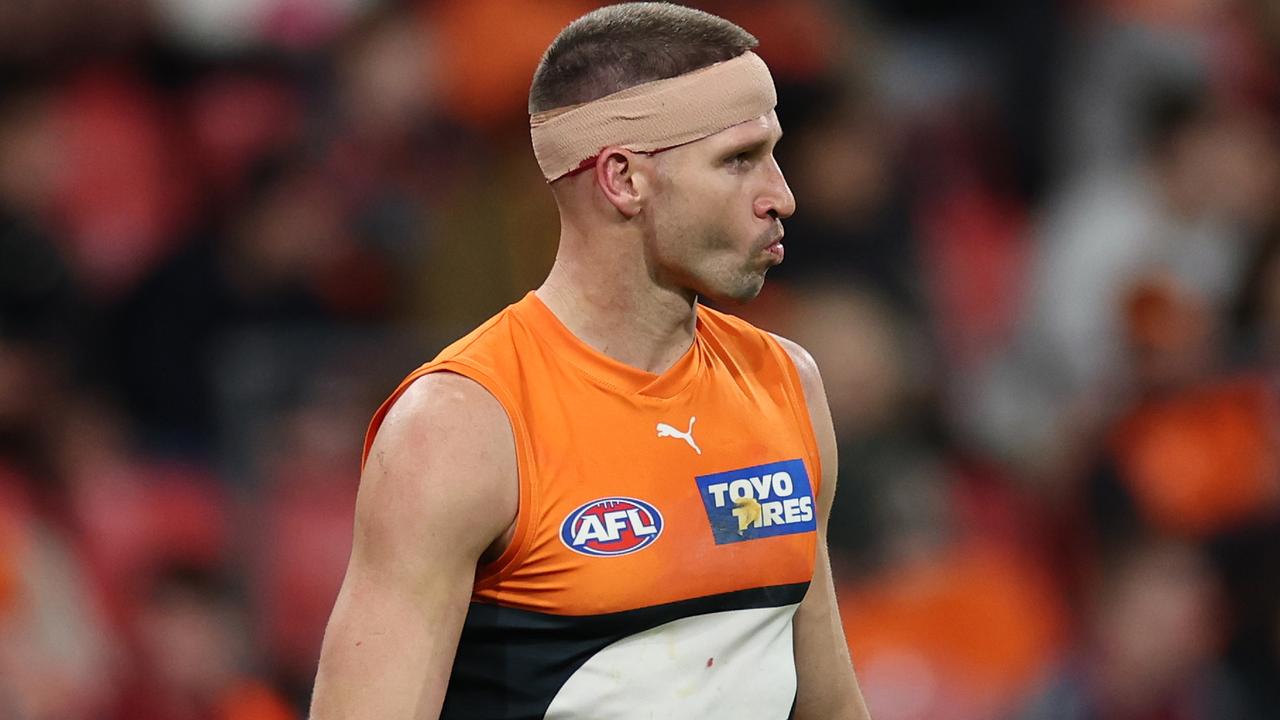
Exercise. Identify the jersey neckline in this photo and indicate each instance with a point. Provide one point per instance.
(604, 369)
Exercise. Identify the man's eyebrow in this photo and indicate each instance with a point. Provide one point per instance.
(751, 146)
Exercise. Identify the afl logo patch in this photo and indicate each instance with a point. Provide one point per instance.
(611, 526)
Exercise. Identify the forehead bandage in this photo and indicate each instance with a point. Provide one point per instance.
(654, 115)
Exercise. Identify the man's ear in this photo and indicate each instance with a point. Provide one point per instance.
(623, 178)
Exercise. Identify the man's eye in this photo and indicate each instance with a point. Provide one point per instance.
(742, 158)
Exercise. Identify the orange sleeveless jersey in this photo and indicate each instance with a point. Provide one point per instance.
(666, 530)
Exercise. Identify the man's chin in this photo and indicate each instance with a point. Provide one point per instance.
(740, 295)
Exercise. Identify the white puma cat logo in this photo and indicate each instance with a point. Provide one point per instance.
(665, 430)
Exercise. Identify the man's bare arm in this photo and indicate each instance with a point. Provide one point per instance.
(826, 686)
(438, 489)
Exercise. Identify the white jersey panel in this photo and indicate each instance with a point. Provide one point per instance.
(726, 665)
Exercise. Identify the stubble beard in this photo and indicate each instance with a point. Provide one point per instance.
(743, 280)
(720, 270)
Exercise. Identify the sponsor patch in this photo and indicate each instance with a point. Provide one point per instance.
(758, 502)
(611, 526)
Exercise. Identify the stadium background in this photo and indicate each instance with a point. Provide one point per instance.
(1036, 256)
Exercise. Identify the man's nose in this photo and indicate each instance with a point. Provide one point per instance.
(776, 201)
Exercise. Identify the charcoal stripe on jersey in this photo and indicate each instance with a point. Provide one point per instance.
(511, 663)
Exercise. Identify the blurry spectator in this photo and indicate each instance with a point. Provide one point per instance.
(1118, 51)
(802, 40)
(303, 528)
(236, 116)
(1150, 645)
(123, 191)
(1196, 463)
(194, 659)
(395, 154)
(132, 512)
(30, 390)
(287, 259)
(1171, 340)
(1246, 557)
(55, 33)
(224, 27)
(388, 75)
(38, 300)
(1001, 54)
(971, 246)
(487, 68)
(1258, 311)
(843, 161)
(33, 157)
(38, 296)
(224, 224)
(58, 657)
(961, 633)
(1183, 213)
(1197, 457)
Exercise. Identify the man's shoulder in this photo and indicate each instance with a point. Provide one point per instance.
(443, 428)
(473, 372)
(800, 357)
(445, 397)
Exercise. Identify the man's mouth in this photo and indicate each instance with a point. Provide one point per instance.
(775, 248)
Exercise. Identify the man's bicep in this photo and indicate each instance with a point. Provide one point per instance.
(438, 487)
(441, 475)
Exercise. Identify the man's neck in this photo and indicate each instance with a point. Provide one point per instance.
(625, 316)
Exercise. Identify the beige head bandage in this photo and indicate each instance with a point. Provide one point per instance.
(655, 115)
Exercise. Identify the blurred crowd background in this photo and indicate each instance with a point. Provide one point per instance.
(1037, 257)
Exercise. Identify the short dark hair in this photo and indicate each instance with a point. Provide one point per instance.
(620, 46)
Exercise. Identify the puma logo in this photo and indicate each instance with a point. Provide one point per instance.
(665, 430)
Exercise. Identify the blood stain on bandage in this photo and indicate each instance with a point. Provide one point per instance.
(711, 661)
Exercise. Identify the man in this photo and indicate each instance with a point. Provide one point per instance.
(608, 501)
